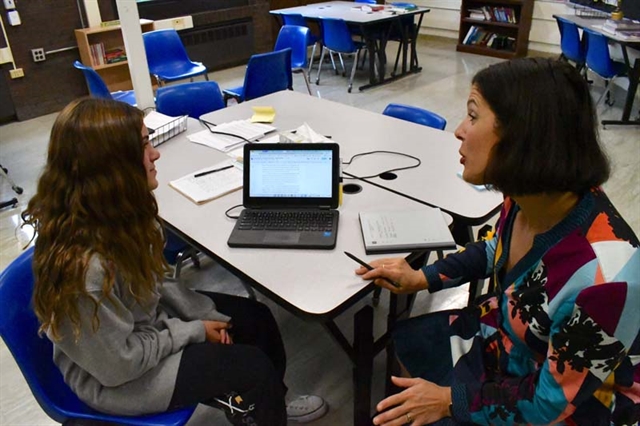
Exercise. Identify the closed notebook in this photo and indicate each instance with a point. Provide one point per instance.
(201, 187)
(405, 231)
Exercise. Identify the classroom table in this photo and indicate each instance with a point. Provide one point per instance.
(633, 71)
(316, 285)
(375, 28)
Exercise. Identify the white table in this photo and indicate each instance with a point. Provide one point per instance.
(318, 284)
(375, 27)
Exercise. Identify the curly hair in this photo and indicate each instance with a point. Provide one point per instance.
(93, 199)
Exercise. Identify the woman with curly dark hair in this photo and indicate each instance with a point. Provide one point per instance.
(127, 340)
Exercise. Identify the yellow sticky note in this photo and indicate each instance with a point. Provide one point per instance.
(263, 114)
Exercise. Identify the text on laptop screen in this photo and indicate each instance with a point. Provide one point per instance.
(291, 173)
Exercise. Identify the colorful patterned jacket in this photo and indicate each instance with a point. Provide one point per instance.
(561, 336)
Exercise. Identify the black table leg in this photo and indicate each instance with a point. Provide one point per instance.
(363, 366)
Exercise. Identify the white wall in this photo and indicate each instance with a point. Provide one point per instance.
(444, 20)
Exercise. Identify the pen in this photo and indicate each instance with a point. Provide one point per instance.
(208, 172)
(369, 267)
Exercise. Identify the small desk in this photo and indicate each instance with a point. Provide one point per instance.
(317, 285)
(371, 24)
(633, 70)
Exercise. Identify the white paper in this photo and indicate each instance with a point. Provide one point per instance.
(214, 185)
(242, 129)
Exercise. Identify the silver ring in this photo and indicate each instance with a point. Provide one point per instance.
(409, 418)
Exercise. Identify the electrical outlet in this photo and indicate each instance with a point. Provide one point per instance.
(16, 73)
(38, 54)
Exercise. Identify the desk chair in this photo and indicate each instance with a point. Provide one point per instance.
(167, 58)
(34, 356)
(336, 38)
(313, 40)
(297, 39)
(18, 190)
(415, 115)
(572, 46)
(266, 73)
(599, 61)
(98, 88)
(193, 99)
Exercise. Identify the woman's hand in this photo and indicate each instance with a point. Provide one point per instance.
(421, 403)
(398, 271)
(217, 332)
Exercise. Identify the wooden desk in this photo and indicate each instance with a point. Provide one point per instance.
(633, 70)
(375, 28)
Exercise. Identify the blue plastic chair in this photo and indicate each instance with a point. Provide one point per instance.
(296, 38)
(336, 38)
(313, 40)
(266, 73)
(415, 115)
(167, 58)
(570, 43)
(367, 1)
(192, 99)
(98, 88)
(34, 356)
(598, 60)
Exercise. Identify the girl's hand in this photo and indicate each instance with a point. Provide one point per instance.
(217, 332)
(398, 271)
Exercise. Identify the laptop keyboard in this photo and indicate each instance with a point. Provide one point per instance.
(298, 220)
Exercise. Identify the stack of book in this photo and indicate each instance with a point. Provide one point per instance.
(481, 37)
(625, 28)
(97, 54)
(494, 14)
(117, 54)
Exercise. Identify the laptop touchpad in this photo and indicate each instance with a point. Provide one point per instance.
(281, 237)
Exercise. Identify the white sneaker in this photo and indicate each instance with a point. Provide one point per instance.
(306, 408)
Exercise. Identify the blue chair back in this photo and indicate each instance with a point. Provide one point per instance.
(570, 43)
(268, 73)
(336, 35)
(167, 57)
(296, 38)
(415, 115)
(34, 354)
(598, 56)
(294, 19)
(193, 99)
(95, 83)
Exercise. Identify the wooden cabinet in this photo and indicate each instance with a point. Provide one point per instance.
(497, 28)
(96, 43)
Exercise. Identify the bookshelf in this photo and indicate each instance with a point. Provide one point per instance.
(102, 48)
(498, 28)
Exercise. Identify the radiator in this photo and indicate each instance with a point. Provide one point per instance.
(219, 46)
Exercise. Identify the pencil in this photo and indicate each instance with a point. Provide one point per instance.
(369, 267)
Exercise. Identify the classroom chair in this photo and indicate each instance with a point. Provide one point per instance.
(313, 40)
(193, 99)
(336, 38)
(34, 356)
(296, 38)
(98, 88)
(415, 115)
(167, 58)
(598, 60)
(572, 46)
(266, 73)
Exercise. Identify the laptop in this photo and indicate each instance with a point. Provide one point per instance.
(290, 193)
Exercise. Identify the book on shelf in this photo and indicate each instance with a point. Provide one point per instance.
(116, 54)
(97, 54)
(200, 186)
(405, 230)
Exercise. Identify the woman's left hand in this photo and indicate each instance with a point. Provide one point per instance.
(422, 402)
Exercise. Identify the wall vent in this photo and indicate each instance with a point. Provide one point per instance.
(220, 45)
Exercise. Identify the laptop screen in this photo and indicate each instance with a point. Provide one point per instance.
(291, 175)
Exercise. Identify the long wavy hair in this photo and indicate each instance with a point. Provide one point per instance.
(93, 199)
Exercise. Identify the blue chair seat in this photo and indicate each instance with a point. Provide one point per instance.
(34, 356)
(167, 58)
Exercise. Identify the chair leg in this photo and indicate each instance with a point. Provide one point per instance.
(344, 70)
(313, 55)
(324, 49)
(333, 62)
(306, 80)
(353, 70)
